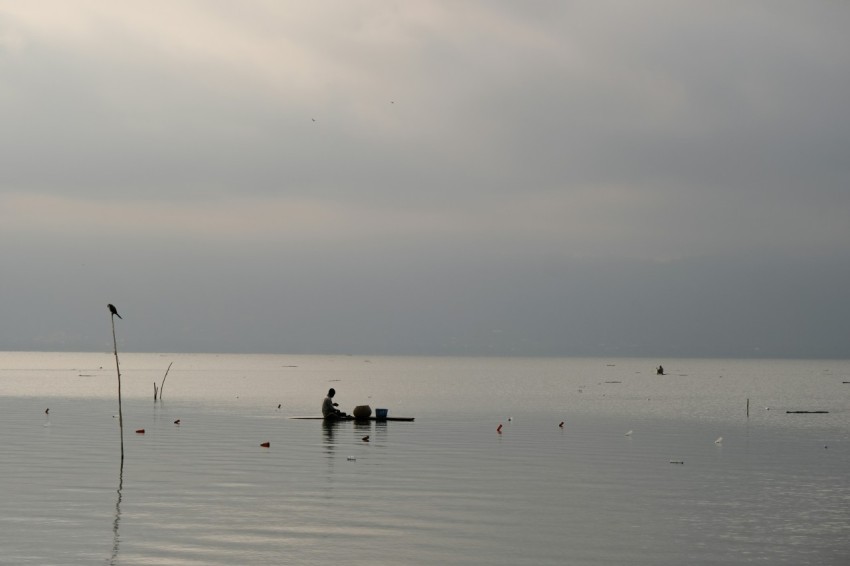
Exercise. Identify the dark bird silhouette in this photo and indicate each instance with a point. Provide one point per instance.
(113, 310)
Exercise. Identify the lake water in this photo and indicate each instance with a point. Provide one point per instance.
(445, 489)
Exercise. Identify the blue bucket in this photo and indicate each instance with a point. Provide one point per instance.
(381, 413)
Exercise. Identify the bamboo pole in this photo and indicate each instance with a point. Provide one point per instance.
(118, 370)
(162, 385)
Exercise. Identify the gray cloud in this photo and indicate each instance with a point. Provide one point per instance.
(440, 178)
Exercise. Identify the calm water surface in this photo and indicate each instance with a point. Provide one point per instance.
(445, 489)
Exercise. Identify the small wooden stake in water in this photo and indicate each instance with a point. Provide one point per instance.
(114, 312)
(162, 385)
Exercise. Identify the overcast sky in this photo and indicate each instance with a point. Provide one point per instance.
(446, 177)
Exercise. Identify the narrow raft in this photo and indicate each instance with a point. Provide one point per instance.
(351, 418)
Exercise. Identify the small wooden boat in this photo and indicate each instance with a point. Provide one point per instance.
(351, 418)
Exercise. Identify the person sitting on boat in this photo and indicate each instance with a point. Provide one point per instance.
(329, 408)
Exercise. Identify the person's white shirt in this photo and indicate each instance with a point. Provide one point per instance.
(328, 407)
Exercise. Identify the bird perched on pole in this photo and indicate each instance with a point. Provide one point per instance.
(113, 310)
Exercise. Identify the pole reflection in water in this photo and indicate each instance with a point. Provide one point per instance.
(115, 537)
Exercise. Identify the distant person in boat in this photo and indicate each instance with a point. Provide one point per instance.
(329, 408)
(659, 370)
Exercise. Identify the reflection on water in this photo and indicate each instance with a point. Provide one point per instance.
(115, 523)
(329, 429)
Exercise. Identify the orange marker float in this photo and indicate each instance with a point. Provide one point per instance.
(266, 444)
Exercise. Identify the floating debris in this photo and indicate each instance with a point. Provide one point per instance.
(629, 433)
(265, 444)
(177, 421)
(365, 438)
(719, 440)
(808, 412)
(682, 462)
(140, 431)
(562, 424)
(352, 459)
(499, 428)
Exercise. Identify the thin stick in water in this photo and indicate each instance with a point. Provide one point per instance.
(114, 312)
(161, 385)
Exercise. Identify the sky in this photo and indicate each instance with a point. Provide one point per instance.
(547, 178)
